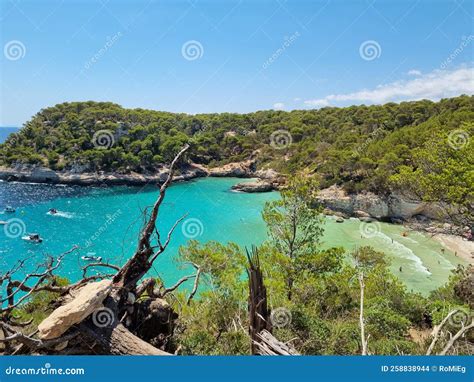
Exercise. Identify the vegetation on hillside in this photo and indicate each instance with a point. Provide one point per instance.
(358, 147)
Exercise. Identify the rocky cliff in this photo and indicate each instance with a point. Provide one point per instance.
(377, 206)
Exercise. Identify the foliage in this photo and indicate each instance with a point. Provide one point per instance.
(357, 147)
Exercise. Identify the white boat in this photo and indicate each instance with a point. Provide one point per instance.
(92, 257)
(33, 238)
(3, 222)
(9, 209)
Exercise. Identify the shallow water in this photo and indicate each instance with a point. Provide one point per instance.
(106, 222)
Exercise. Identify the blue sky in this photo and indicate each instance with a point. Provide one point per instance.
(236, 56)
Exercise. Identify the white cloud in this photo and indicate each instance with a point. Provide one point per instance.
(434, 86)
(414, 72)
(317, 102)
(278, 105)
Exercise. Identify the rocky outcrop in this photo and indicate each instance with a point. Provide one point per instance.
(80, 175)
(36, 174)
(244, 169)
(368, 204)
(257, 186)
(87, 300)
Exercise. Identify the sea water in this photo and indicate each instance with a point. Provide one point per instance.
(106, 221)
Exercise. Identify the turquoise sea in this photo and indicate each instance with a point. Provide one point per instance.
(106, 222)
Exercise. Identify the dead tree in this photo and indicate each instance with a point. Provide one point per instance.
(139, 320)
(258, 311)
(260, 327)
(363, 338)
(466, 323)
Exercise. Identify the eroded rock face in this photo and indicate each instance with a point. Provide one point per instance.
(237, 169)
(87, 300)
(258, 186)
(368, 204)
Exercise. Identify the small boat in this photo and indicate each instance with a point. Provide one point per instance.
(33, 238)
(52, 211)
(3, 222)
(92, 257)
(9, 209)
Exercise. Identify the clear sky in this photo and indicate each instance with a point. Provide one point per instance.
(236, 56)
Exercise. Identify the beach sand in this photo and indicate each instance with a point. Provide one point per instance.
(463, 248)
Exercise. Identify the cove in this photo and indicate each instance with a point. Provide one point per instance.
(106, 222)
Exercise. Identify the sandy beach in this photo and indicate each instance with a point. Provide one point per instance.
(463, 248)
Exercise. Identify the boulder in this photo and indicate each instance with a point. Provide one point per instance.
(258, 186)
(87, 300)
(237, 169)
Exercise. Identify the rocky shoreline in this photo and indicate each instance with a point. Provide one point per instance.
(394, 208)
(38, 174)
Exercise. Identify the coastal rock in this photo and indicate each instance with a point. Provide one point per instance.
(368, 204)
(45, 175)
(258, 186)
(361, 214)
(87, 300)
(236, 169)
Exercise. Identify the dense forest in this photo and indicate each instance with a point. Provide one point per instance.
(357, 147)
(289, 291)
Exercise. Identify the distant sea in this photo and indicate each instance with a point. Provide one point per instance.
(6, 131)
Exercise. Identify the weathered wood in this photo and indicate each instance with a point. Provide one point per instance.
(259, 315)
(267, 344)
(116, 340)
